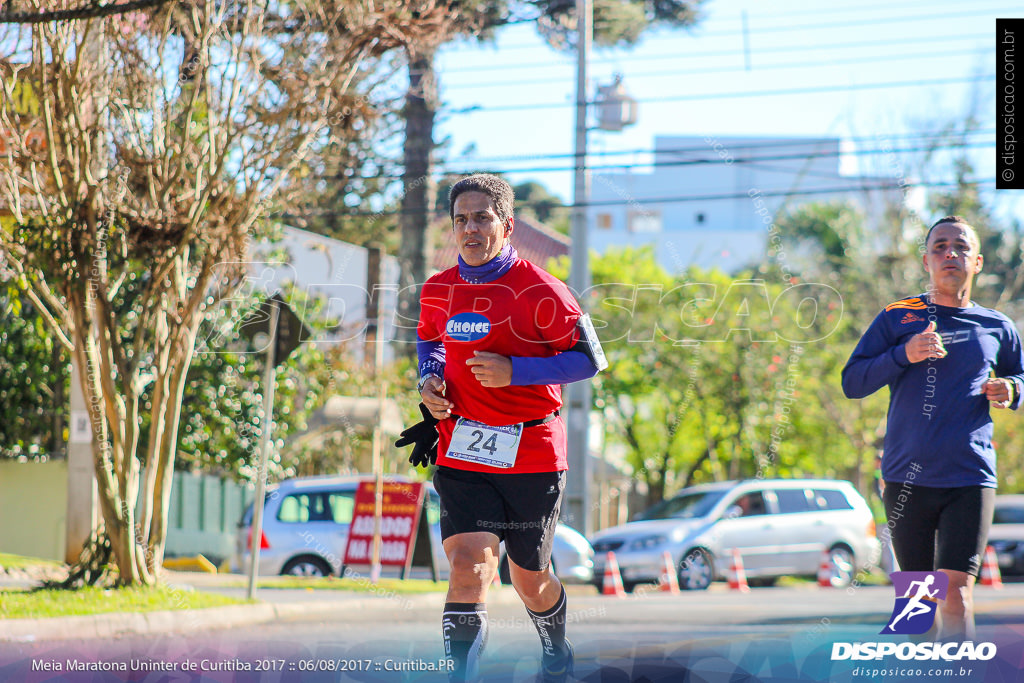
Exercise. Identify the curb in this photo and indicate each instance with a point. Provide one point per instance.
(172, 621)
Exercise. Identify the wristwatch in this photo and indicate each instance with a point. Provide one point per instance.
(423, 380)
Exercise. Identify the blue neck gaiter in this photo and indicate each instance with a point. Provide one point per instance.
(492, 270)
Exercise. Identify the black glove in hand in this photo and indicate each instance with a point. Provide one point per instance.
(423, 436)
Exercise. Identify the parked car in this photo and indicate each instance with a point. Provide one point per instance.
(1007, 533)
(305, 529)
(779, 526)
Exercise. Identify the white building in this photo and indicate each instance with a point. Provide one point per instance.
(697, 206)
(337, 272)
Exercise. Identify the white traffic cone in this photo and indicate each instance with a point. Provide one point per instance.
(668, 582)
(825, 571)
(737, 575)
(612, 578)
(990, 574)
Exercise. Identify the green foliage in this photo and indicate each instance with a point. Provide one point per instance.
(223, 407)
(873, 264)
(716, 376)
(536, 204)
(707, 371)
(616, 23)
(34, 381)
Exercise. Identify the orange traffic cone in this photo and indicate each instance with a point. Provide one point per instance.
(668, 582)
(825, 571)
(737, 575)
(990, 575)
(612, 578)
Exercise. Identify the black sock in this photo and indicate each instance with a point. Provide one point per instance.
(464, 626)
(551, 628)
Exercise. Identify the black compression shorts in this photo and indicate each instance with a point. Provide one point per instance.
(938, 528)
(521, 509)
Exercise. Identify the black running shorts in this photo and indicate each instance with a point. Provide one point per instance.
(520, 509)
(938, 528)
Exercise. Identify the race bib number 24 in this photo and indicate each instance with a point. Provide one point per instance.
(474, 441)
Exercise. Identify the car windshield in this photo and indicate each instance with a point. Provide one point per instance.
(247, 515)
(1008, 515)
(686, 506)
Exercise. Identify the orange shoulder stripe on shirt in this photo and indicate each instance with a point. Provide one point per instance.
(913, 302)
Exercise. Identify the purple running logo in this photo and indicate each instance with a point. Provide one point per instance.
(917, 596)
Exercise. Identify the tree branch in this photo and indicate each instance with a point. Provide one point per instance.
(94, 11)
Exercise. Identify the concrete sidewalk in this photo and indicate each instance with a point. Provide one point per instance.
(274, 605)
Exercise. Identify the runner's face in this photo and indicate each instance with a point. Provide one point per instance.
(952, 258)
(479, 232)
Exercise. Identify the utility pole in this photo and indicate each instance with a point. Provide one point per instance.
(375, 272)
(579, 393)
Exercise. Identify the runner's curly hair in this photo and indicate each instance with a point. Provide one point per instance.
(494, 187)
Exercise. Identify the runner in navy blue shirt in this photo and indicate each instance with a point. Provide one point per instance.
(945, 360)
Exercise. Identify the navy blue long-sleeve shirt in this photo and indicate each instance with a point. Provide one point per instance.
(938, 418)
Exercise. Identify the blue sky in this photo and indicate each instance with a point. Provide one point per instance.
(814, 69)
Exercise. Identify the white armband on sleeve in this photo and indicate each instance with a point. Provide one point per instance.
(589, 343)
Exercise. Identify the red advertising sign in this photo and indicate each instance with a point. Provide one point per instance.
(400, 516)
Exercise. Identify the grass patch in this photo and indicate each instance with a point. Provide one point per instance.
(8, 561)
(874, 578)
(363, 585)
(40, 604)
(794, 581)
(863, 578)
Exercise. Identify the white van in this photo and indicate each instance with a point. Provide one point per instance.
(305, 529)
(779, 526)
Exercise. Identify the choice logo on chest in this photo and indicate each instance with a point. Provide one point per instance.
(467, 327)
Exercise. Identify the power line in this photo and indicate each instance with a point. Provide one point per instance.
(476, 164)
(738, 68)
(884, 185)
(849, 8)
(789, 26)
(738, 144)
(735, 95)
(726, 53)
(871, 21)
(713, 159)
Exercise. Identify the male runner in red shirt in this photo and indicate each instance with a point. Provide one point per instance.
(497, 338)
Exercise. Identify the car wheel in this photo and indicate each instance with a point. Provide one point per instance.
(696, 570)
(841, 566)
(306, 565)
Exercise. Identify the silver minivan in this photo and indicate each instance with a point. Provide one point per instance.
(306, 522)
(779, 526)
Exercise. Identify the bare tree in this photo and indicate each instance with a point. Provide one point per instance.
(140, 154)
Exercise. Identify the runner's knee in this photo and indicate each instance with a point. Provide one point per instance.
(530, 582)
(469, 563)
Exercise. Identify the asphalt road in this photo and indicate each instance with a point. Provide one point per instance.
(718, 636)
